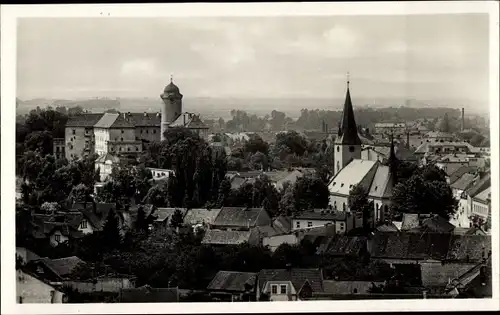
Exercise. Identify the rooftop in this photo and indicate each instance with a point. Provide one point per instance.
(350, 175)
(238, 216)
(297, 276)
(233, 281)
(222, 237)
(84, 120)
(327, 215)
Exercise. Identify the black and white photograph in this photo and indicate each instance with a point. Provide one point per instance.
(248, 159)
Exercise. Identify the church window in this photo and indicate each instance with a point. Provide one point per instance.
(338, 165)
(351, 149)
(343, 206)
(137, 148)
(154, 130)
(128, 149)
(338, 149)
(121, 139)
(122, 131)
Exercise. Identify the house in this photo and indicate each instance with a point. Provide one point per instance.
(292, 284)
(116, 134)
(228, 237)
(481, 206)
(109, 283)
(381, 153)
(454, 176)
(283, 223)
(408, 248)
(341, 246)
(436, 136)
(105, 164)
(26, 255)
(356, 172)
(274, 241)
(340, 289)
(163, 216)
(436, 276)
(192, 122)
(469, 248)
(389, 127)
(147, 294)
(55, 270)
(237, 218)
(481, 209)
(381, 193)
(94, 214)
(79, 134)
(474, 283)
(280, 178)
(233, 286)
(160, 173)
(55, 232)
(31, 288)
(343, 221)
(204, 217)
(437, 224)
(58, 148)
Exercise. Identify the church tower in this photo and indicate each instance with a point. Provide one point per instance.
(347, 143)
(172, 106)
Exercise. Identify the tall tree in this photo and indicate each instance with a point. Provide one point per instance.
(310, 193)
(111, 237)
(359, 204)
(177, 219)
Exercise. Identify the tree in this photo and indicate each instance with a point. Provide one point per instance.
(287, 202)
(39, 141)
(256, 144)
(311, 193)
(290, 142)
(177, 219)
(359, 204)
(49, 207)
(417, 195)
(224, 193)
(157, 195)
(80, 193)
(111, 237)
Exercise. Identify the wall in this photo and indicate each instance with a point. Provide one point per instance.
(101, 138)
(343, 156)
(75, 143)
(380, 208)
(275, 241)
(87, 230)
(33, 290)
(304, 223)
(104, 170)
(479, 208)
(289, 295)
(337, 202)
(148, 133)
(59, 148)
(52, 238)
(263, 219)
(102, 285)
(125, 147)
(370, 155)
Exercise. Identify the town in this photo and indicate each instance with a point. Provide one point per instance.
(166, 206)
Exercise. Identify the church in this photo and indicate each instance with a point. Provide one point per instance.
(350, 170)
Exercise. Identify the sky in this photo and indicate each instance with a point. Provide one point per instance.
(418, 56)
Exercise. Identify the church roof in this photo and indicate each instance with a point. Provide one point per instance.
(351, 175)
(348, 133)
(171, 88)
(382, 183)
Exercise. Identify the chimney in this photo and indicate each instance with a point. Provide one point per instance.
(462, 127)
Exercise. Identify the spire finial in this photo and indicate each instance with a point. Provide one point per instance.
(348, 74)
(171, 78)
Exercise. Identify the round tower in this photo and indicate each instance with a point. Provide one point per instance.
(172, 106)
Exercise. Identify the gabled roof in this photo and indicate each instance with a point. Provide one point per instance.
(222, 237)
(322, 215)
(238, 216)
(283, 223)
(196, 216)
(410, 221)
(298, 277)
(95, 213)
(188, 120)
(479, 186)
(389, 227)
(401, 245)
(438, 275)
(344, 245)
(348, 287)
(473, 247)
(461, 171)
(84, 120)
(107, 120)
(464, 182)
(484, 195)
(232, 281)
(351, 175)
(438, 224)
(61, 267)
(381, 186)
(163, 214)
(147, 294)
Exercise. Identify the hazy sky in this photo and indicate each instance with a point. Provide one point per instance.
(423, 57)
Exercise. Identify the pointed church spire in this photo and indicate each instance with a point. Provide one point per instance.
(348, 130)
(171, 78)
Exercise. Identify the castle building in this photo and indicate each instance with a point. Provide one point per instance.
(376, 179)
(128, 134)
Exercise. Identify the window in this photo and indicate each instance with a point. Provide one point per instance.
(342, 225)
(154, 130)
(351, 149)
(20, 300)
(282, 289)
(121, 139)
(141, 131)
(343, 206)
(57, 238)
(83, 224)
(121, 148)
(274, 289)
(73, 131)
(335, 205)
(137, 148)
(128, 149)
(122, 131)
(147, 131)
(309, 224)
(338, 149)
(297, 224)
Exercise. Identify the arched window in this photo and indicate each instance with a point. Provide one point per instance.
(343, 206)
(338, 165)
(338, 148)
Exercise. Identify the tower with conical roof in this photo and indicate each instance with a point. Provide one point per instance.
(347, 143)
(172, 106)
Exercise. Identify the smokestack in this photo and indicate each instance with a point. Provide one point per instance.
(462, 127)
